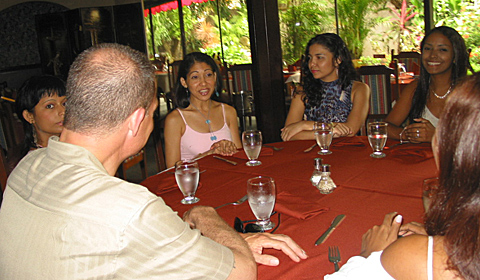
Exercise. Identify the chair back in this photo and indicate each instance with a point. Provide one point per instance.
(11, 133)
(378, 78)
(173, 73)
(243, 94)
(411, 60)
(157, 135)
(241, 77)
(3, 170)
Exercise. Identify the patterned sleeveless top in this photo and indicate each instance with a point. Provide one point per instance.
(335, 106)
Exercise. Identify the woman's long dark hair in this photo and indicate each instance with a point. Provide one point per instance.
(182, 96)
(455, 209)
(28, 96)
(459, 69)
(346, 72)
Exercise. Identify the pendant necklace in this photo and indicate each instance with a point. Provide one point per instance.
(207, 120)
(442, 96)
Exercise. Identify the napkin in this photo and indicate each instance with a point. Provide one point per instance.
(264, 152)
(349, 141)
(297, 207)
(411, 153)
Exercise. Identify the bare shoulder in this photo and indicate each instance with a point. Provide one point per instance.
(409, 89)
(360, 86)
(360, 89)
(406, 258)
(173, 118)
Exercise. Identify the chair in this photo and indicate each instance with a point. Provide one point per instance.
(11, 127)
(3, 170)
(242, 87)
(172, 80)
(157, 135)
(411, 60)
(139, 158)
(378, 78)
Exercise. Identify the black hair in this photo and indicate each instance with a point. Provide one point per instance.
(182, 96)
(28, 96)
(346, 71)
(459, 69)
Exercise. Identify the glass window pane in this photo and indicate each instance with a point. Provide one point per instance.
(300, 20)
(166, 30)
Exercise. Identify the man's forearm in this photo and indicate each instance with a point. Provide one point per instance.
(211, 225)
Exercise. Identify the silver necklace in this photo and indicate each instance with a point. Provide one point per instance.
(207, 120)
(442, 96)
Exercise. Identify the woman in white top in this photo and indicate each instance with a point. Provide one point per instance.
(444, 61)
(448, 246)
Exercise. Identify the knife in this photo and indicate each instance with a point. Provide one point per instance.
(226, 160)
(334, 224)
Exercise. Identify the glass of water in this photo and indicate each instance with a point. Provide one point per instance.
(187, 175)
(261, 197)
(377, 136)
(252, 144)
(324, 136)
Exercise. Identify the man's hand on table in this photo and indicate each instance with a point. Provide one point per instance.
(379, 237)
(260, 241)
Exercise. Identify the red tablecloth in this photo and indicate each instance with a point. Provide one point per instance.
(367, 189)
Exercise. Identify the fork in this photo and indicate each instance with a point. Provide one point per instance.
(238, 202)
(334, 256)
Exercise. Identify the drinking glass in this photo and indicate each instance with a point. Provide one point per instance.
(377, 136)
(324, 136)
(187, 176)
(261, 197)
(430, 185)
(252, 144)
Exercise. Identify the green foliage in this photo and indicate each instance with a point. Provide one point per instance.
(202, 31)
(357, 19)
(301, 20)
(465, 18)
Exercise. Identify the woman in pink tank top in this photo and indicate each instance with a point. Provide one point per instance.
(200, 125)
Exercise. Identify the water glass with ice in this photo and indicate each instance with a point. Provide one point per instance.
(187, 175)
(323, 136)
(252, 144)
(261, 197)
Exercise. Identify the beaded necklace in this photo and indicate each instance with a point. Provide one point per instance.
(207, 120)
(442, 96)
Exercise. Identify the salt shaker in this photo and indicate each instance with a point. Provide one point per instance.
(317, 172)
(326, 184)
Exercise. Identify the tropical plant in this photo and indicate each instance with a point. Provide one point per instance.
(202, 31)
(403, 16)
(301, 20)
(357, 18)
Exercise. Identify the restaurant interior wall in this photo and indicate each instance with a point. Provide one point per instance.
(19, 51)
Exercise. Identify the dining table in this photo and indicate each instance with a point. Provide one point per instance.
(367, 189)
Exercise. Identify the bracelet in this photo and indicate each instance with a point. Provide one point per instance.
(401, 134)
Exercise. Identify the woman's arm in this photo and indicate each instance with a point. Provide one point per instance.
(360, 99)
(400, 111)
(174, 129)
(295, 127)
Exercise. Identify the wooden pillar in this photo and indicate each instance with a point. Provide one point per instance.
(428, 12)
(267, 68)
